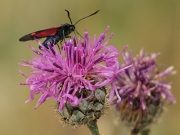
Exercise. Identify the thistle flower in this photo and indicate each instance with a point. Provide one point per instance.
(77, 78)
(144, 91)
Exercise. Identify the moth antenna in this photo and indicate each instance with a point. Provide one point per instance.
(88, 16)
(68, 15)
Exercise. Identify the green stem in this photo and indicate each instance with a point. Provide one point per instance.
(145, 132)
(92, 125)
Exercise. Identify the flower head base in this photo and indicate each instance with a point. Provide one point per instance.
(144, 91)
(82, 67)
(88, 110)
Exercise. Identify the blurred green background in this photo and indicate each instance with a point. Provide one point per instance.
(152, 24)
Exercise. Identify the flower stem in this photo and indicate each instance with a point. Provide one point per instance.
(92, 125)
(145, 132)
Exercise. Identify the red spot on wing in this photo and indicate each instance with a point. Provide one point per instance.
(45, 33)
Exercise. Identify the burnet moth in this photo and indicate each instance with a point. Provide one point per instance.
(55, 34)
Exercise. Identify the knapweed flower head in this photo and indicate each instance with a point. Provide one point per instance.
(144, 90)
(77, 76)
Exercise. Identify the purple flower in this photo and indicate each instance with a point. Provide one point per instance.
(143, 89)
(81, 65)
